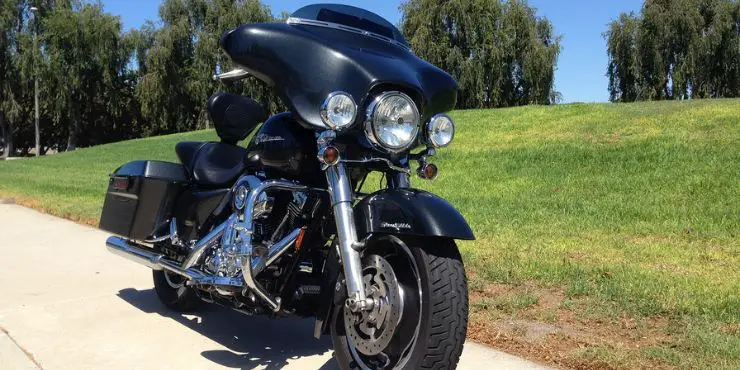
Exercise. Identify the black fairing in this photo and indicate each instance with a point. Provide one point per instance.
(234, 116)
(410, 212)
(282, 148)
(305, 63)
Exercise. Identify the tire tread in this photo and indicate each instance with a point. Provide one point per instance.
(449, 307)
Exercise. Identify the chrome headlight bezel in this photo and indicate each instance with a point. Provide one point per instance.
(324, 112)
(432, 125)
(371, 129)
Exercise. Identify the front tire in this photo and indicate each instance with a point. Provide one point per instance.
(442, 315)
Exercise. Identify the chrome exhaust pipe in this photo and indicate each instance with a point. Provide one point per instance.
(145, 256)
(121, 247)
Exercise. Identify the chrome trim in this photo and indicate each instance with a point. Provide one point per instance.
(337, 26)
(242, 232)
(323, 112)
(369, 127)
(124, 195)
(384, 160)
(320, 157)
(274, 252)
(428, 130)
(155, 261)
(233, 75)
(340, 193)
(207, 241)
(237, 229)
(264, 205)
(172, 235)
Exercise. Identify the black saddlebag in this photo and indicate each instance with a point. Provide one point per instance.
(141, 196)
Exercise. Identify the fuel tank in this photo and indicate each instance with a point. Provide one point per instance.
(284, 149)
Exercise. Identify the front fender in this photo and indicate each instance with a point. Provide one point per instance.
(409, 212)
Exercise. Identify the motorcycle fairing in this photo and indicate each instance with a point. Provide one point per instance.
(410, 212)
(306, 63)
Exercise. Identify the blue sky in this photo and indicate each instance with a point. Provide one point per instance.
(582, 65)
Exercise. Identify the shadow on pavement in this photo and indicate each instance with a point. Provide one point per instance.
(251, 341)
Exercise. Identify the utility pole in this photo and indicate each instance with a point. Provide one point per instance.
(35, 12)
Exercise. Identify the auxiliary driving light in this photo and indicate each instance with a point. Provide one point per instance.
(339, 110)
(440, 130)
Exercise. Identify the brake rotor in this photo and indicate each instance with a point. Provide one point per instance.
(371, 331)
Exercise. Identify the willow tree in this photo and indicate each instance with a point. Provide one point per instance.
(12, 20)
(675, 49)
(208, 59)
(85, 64)
(501, 53)
(185, 55)
(623, 63)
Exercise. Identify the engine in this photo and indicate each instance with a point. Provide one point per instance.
(273, 218)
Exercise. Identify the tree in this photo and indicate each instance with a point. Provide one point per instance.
(86, 62)
(501, 53)
(209, 59)
(676, 49)
(624, 68)
(12, 20)
(185, 55)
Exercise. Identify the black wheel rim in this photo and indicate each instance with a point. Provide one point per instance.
(405, 336)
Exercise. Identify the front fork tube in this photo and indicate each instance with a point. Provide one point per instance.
(398, 180)
(340, 192)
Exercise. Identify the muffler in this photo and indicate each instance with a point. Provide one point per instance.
(145, 256)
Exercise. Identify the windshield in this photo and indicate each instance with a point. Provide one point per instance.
(352, 17)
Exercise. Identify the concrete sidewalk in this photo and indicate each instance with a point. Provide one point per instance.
(66, 303)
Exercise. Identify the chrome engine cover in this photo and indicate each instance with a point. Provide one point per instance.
(224, 261)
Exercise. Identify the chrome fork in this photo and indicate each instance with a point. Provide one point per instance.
(340, 194)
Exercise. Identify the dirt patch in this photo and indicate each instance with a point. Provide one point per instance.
(553, 331)
(7, 200)
(732, 329)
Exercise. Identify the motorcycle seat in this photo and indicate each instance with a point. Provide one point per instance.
(212, 164)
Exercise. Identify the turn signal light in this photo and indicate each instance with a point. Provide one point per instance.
(329, 155)
(427, 171)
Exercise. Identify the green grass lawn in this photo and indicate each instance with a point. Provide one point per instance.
(608, 234)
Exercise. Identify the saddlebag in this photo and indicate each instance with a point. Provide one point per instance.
(141, 196)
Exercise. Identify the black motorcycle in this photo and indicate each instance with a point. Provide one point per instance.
(282, 226)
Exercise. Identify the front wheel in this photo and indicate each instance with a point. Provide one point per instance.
(420, 312)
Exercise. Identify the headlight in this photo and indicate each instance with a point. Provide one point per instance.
(393, 121)
(339, 110)
(440, 130)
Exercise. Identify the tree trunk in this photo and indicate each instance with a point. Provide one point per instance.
(2, 137)
(9, 148)
(72, 137)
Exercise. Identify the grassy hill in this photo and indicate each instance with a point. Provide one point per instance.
(608, 234)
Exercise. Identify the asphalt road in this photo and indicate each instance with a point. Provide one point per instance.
(67, 303)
